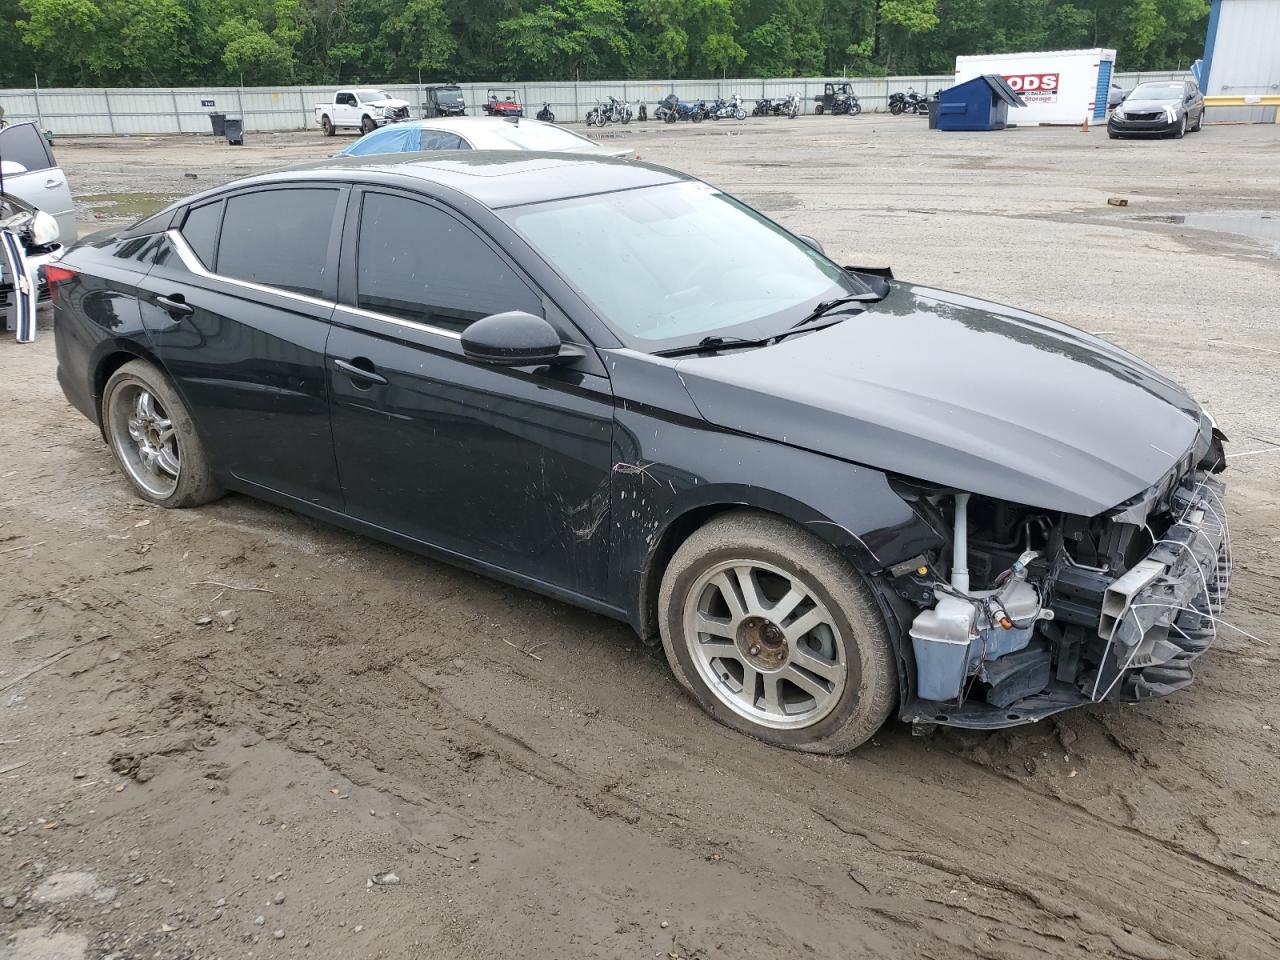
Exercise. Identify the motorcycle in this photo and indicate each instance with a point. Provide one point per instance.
(612, 111)
(730, 109)
(790, 107)
(671, 108)
(764, 108)
(545, 114)
(909, 102)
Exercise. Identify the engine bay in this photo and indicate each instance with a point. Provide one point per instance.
(1030, 612)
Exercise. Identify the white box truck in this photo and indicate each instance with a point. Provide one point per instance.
(1059, 86)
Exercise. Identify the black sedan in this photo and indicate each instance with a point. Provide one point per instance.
(829, 492)
(1161, 108)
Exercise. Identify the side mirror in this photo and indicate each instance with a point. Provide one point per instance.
(512, 339)
(813, 243)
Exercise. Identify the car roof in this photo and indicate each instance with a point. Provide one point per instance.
(495, 178)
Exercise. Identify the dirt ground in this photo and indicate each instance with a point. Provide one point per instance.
(220, 729)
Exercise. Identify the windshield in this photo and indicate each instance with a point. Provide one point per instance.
(365, 96)
(665, 266)
(449, 96)
(1157, 91)
(541, 136)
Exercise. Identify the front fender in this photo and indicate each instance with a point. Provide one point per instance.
(671, 471)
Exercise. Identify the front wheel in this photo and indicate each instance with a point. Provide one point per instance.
(1180, 130)
(1199, 123)
(153, 439)
(367, 125)
(855, 109)
(776, 636)
(818, 109)
(740, 114)
(895, 109)
(670, 117)
(696, 116)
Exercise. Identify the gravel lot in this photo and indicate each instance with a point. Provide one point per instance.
(217, 726)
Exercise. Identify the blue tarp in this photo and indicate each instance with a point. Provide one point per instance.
(393, 138)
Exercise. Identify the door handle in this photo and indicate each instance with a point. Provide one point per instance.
(176, 305)
(53, 183)
(355, 371)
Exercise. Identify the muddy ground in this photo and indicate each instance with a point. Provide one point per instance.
(219, 726)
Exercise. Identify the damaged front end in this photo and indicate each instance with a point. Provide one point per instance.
(1031, 612)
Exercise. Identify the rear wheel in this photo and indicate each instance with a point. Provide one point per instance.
(326, 126)
(776, 636)
(819, 109)
(154, 440)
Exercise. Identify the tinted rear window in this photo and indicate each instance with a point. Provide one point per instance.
(201, 231)
(23, 144)
(279, 238)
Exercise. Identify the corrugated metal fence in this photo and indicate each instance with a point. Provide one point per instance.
(78, 111)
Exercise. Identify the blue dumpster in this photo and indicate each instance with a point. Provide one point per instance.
(979, 104)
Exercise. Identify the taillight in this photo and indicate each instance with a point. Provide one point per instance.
(54, 275)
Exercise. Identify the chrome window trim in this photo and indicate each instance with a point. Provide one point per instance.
(192, 263)
(399, 321)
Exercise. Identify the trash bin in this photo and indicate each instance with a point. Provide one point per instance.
(933, 112)
(219, 121)
(235, 131)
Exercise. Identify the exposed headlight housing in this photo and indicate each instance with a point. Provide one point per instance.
(44, 229)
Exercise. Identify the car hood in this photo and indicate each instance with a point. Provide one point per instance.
(1150, 106)
(956, 391)
(389, 102)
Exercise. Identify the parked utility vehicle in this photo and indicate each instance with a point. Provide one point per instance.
(361, 109)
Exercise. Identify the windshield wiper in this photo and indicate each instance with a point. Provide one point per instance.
(712, 344)
(826, 306)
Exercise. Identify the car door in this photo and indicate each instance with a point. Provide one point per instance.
(1195, 102)
(346, 111)
(505, 466)
(237, 305)
(39, 182)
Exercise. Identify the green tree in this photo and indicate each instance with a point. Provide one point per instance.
(418, 36)
(568, 37)
(64, 35)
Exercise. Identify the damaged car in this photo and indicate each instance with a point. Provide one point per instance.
(830, 494)
(28, 243)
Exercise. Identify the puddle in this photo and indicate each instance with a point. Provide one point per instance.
(128, 205)
(1257, 225)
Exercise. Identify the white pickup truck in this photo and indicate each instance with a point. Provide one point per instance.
(362, 110)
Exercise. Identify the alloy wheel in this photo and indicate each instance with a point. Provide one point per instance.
(765, 644)
(145, 439)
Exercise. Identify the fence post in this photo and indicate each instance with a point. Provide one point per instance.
(177, 116)
(39, 115)
(302, 99)
(111, 119)
(240, 104)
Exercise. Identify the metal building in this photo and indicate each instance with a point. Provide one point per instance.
(1242, 55)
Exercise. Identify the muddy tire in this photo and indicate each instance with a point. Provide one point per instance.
(326, 126)
(153, 439)
(776, 636)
